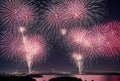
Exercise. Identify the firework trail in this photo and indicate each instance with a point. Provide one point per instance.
(33, 47)
(30, 49)
(85, 12)
(78, 59)
(17, 13)
(102, 38)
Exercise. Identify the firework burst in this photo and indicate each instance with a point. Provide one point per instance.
(30, 49)
(10, 45)
(76, 37)
(85, 12)
(17, 13)
(114, 27)
(102, 39)
(34, 49)
(55, 14)
(53, 17)
(80, 40)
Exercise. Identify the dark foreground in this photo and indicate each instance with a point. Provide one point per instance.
(63, 77)
(14, 78)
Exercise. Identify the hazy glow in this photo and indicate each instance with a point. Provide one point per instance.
(78, 60)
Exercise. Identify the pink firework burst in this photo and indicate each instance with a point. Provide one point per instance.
(75, 9)
(34, 48)
(10, 46)
(77, 37)
(53, 20)
(55, 14)
(115, 27)
(79, 40)
(54, 17)
(17, 13)
(106, 40)
(83, 12)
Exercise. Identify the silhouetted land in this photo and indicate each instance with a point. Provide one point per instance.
(65, 79)
(14, 78)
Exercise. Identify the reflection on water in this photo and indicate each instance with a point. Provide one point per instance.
(46, 77)
(84, 77)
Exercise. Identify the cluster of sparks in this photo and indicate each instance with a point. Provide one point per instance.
(65, 17)
(17, 13)
(30, 48)
(33, 47)
(107, 39)
(67, 13)
(10, 45)
(102, 39)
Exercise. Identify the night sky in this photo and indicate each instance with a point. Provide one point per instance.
(58, 57)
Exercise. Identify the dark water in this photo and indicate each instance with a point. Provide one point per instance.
(84, 77)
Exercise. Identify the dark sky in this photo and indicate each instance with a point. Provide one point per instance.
(58, 58)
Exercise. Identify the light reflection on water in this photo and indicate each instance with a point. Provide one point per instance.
(84, 77)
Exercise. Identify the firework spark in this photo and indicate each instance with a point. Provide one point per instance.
(34, 48)
(17, 13)
(77, 37)
(52, 21)
(63, 31)
(80, 40)
(102, 39)
(85, 12)
(53, 18)
(30, 49)
(115, 27)
(10, 45)
(55, 15)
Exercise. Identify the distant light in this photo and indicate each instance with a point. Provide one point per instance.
(22, 29)
(63, 31)
(77, 56)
